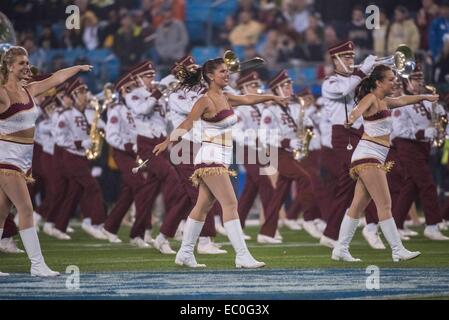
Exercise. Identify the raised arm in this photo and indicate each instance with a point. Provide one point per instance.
(198, 109)
(407, 100)
(251, 99)
(360, 109)
(37, 87)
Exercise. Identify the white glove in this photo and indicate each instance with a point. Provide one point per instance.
(295, 144)
(86, 144)
(135, 148)
(430, 133)
(368, 64)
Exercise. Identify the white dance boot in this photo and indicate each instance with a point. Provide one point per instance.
(243, 258)
(185, 255)
(392, 235)
(33, 249)
(347, 230)
(1, 273)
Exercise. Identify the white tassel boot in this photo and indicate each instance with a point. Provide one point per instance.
(185, 255)
(33, 249)
(347, 230)
(243, 258)
(391, 233)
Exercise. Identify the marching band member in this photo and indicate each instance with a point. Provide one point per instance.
(414, 134)
(180, 103)
(72, 136)
(245, 134)
(368, 166)
(121, 135)
(286, 120)
(18, 114)
(338, 93)
(149, 115)
(212, 160)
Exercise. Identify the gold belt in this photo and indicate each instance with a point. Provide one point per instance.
(376, 140)
(21, 140)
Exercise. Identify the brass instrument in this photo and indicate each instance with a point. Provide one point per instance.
(402, 61)
(234, 64)
(439, 122)
(96, 136)
(140, 164)
(304, 134)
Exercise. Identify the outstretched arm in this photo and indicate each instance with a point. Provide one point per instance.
(251, 99)
(407, 100)
(38, 87)
(360, 109)
(198, 109)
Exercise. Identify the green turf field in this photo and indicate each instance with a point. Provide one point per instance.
(299, 250)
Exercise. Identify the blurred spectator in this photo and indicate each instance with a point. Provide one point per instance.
(250, 6)
(127, 46)
(441, 74)
(271, 16)
(316, 24)
(247, 32)
(286, 48)
(221, 37)
(171, 39)
(380, 35)
(108, 29)
(426, 14)
(330, 37)
(311, 49)
(270, 48)
(299, 15)
(403, 30)
(357, 30)
(48, 40)
(438, 28)
(156, 9)
(90, 31)
(38, 56)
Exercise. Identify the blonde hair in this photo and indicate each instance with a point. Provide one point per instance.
(7, 59)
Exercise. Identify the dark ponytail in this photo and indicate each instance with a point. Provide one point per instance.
(192, 78)
(368, 84)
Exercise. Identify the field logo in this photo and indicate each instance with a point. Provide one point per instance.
(373, 280)
(73, 20)
(73, 278)
(372, 21)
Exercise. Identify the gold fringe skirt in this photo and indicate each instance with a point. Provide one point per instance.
(11, 172)
(362, 164)
(205, 170)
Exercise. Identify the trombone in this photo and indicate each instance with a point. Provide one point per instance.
(234, 64)
(402, 61)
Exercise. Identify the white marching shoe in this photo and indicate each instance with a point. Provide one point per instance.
(148, 238)
(188, 260)
(327, 242)
(403, 235)
(48, 228)
(292, 224)
(161, 243)
(94, 231)
(248, 262)
(138, 242)
(311, 229)
(263, 239)
(434, 233)
(8, 245)
(112, 238)
(343, 254)
(70, 230)
(404, 254)
(207, 246)
(372, 237)
(58, 234)
(31, 243)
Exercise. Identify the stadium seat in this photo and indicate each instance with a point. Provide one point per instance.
(202, 54)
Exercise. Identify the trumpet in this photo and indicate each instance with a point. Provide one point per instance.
(402, 61)
(234, 64)
(140, 164)
(304, 134)
(439, 122)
